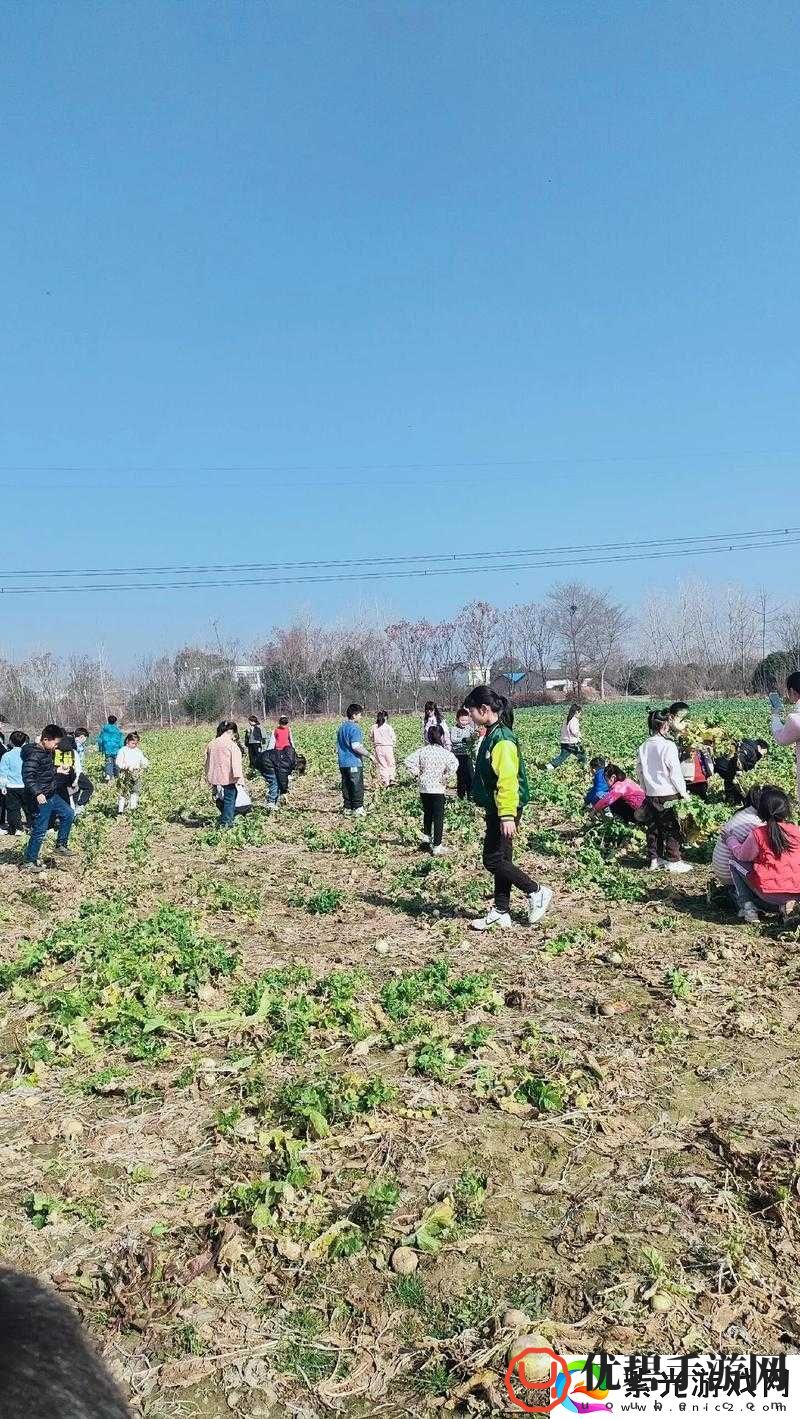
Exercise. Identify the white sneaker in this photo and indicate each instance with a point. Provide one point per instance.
(134, 800)
(539, 904)
(3, 832)
(359, 813)
(678, 869)
(439, 851)
(656, 864)
(749, 914)
(424, 839)
(492, 918)
(121, 807)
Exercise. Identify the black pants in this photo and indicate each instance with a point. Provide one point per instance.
(433, 816)
(353, 788)
(498, 855)
(622, 810)
(663, 829)
(254, 752)
(698, 790)
(464, 776)
(16, 806)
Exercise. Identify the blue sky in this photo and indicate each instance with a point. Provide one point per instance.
(546, 253)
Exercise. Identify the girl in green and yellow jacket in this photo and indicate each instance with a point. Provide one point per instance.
(500, 787)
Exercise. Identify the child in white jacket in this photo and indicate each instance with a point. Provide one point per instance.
(130, 762)
(434, 766)
(658, 769)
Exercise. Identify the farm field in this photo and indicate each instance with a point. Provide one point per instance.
(238, 1072)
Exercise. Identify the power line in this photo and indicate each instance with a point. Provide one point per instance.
(247, 471)
(477, 568)
(722, 541)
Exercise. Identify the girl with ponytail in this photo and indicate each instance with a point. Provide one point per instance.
(500, 787)
(766, 866)
(571, 739)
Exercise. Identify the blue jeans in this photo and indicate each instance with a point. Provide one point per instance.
(568, 751)
(111, 766)
(271, 781)
(44, 814)
(228, 807)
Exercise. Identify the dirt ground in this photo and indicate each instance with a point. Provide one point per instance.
(607, 1124)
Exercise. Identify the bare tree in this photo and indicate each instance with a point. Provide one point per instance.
(537, 636)
(441, 655)
(413, 642)
(479, 628)
(613, 624)
(577, 612)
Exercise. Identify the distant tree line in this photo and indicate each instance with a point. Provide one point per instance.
(576, 642)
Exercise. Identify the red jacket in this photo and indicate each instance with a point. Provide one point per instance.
(770, 874)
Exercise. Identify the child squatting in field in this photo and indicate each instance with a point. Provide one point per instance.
(501, 788)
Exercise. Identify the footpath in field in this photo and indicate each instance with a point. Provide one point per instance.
(295, 1142)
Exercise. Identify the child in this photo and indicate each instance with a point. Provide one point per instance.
(697, 768)
(223, 768)
(83, 788)
(599, 782)
(268, 770)
(766, 866)
(736, 829)
(571, 739)
(350, 754)
(431, 716)
(130, 764)
(44, 787)
(281, 736)
(624, 798)
(384, 741)
(254, 740)
(435, 767)
(659, 773)
(109, 742)
(461, 742)
(501, 787)
(11, 785)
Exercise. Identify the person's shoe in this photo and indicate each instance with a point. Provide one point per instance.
(492, 918)
(439, 851)
(3, 832)
(32, 867)
(656, 864)
(63, 851)
(134, 800)
(359, 812)
(346, 812)
(750, 915)
(539, 904)
(549, 768)
(121, 806)
(81, 808)
(270, 807)
(787, 909)
(424, 839)
(679, 869)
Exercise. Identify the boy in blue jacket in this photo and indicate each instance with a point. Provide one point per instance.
(600, 784)
(109, 741)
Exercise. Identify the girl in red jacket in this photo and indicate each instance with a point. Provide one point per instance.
(766, 865)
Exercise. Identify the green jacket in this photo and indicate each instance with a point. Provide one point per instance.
(501, 783)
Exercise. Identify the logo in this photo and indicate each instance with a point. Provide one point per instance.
(554, 1381)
